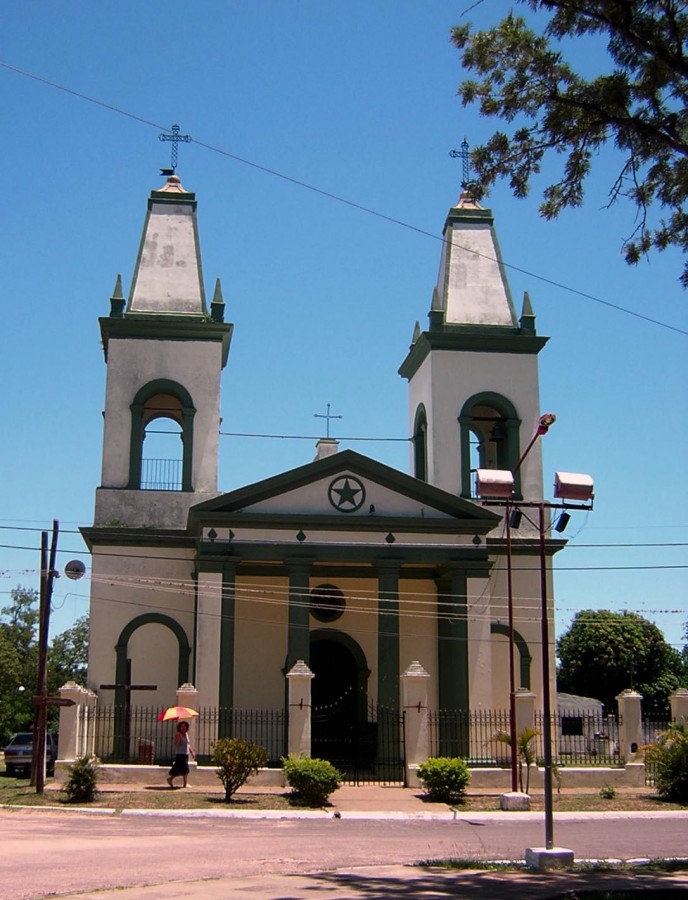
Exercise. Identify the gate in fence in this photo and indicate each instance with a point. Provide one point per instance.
(366, 746)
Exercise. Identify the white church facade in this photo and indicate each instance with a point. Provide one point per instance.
(353, 567)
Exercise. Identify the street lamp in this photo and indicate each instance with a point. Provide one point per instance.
(495, 488)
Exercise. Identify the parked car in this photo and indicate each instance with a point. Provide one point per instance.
(18, 753)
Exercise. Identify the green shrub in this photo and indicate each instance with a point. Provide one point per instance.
(608, 792)
(237, 760)
(669, 759)
(80, 786)
(445, 780)
(311, 780)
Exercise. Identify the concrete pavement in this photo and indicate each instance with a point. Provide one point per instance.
(377, 882)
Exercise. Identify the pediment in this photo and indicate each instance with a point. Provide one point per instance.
(345, 489)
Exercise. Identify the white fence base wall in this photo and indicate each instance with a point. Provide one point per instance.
(199, 776)
(492, 780)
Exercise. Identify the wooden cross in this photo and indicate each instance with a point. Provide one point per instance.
(175, 137)
(327, 416)
(126, 687)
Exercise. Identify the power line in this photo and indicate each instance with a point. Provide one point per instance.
(338, 199)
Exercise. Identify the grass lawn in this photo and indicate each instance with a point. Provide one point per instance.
(18, 792)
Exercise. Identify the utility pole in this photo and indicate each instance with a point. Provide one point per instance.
(41, 699)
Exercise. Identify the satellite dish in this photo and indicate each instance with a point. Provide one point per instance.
(75, 569)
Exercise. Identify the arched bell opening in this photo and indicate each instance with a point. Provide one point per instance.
(161, 438)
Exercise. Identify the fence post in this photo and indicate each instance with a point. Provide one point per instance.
(525, 710)
(299, 727)
(414, 699)
(630, 725)
(76, 730)
(679, 705)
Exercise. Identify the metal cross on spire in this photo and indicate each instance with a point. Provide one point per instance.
(328, 415)
(464, 154)
(175, 137)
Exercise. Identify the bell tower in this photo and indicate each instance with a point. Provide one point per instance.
(165, 352)
(473, 374)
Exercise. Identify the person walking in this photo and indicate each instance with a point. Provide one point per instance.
(182, 751)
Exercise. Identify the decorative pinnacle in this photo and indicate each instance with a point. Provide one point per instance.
(217, 306)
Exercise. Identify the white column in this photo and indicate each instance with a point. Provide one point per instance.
(414, 700)
(299, 681)
(630, 725)
(77, 735)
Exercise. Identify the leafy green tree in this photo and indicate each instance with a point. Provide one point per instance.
(604, 653)
(18, 661)
(638, 106)
(67, 660)
(68, 656)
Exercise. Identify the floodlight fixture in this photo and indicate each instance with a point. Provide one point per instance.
(498, 483)
(573, 486)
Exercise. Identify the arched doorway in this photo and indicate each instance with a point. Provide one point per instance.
(339, 720)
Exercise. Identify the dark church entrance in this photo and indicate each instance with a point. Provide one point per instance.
(346, 730)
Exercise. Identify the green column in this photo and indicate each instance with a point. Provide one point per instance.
(452, 658)
(388, 634)
(227, 627)
(298, 640)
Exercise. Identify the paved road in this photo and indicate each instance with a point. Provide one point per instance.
(58, 853)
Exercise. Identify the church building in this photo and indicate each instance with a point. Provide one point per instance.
(353, 567)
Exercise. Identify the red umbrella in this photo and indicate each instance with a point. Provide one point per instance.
(177, 712)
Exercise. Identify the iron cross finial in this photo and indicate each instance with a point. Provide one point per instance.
(463, 154)
(175, 137)
(327, 416)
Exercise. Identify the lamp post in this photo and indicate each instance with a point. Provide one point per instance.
(498, 487)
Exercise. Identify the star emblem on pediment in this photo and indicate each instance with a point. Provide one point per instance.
(346, 493)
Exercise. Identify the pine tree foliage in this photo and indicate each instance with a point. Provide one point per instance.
(638, 106)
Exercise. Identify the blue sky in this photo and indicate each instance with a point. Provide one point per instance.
(357, 100)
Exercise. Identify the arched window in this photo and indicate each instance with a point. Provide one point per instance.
(489, 435)
(161, 438)
(420, 444)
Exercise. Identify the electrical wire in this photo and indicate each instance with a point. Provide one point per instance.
(338, 199)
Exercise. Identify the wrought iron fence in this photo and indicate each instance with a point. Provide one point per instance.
(161, 475)
(580, 738)
(134, 735)
(469, 734)
(652, 730)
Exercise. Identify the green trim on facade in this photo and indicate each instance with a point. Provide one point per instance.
(388, 633)
(258, 551)
(471, 339)
(298, 636)
(122, 646)
(452, 636)
(153, 327)
(187, 198)
(525, 659)
(227, 630)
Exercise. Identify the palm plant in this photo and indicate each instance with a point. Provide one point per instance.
(525, 752)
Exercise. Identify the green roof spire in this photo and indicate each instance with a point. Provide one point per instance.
(217, 307)
(117, 301)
